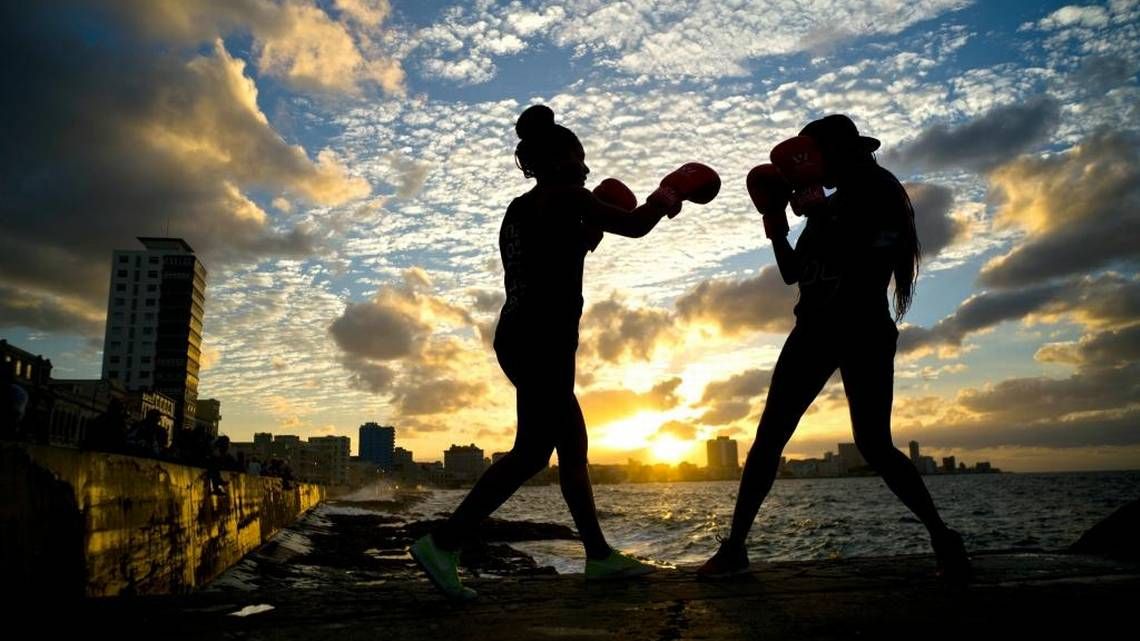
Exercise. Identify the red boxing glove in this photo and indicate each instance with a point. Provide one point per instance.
(612, 191)
(692, 181)
(770, 192)
(808, 200)
(801, 162)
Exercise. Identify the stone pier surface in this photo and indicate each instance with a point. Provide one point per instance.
(1015, 596)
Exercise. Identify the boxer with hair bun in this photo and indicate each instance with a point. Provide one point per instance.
(543, 242)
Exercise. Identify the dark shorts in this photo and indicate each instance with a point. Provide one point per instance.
(529, 360)
(537, 352)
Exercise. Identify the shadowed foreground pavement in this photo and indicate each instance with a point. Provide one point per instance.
(1016, 595)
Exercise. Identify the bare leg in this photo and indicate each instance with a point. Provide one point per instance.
(574, 478)
(801, 371)
(868, 380)
(530, 454)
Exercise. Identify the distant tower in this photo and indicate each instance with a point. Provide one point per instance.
(915, 455)
(378, 444)
(154, 322)
(722, 458)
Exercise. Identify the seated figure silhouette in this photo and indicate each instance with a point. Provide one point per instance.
(854, 241)
(544, 239)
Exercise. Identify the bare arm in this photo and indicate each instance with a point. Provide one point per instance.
(786, 260)
(632, 224)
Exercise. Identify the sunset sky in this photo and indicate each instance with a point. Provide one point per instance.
(342, 168)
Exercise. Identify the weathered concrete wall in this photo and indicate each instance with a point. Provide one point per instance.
(88, 523)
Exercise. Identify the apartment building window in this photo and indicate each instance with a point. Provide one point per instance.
(122, 273)
(120, 287)
(153, 260)
(119, 302)
(150, 302)
(152, 274)
(123, 259)
(152, 287)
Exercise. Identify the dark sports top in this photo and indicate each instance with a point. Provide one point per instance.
(543, 243)
(846, 252)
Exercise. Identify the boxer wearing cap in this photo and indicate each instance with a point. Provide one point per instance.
(855, 241)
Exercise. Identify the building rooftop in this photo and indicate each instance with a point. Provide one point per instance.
(169, 244)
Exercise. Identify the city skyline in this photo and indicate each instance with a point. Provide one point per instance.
(344, 179)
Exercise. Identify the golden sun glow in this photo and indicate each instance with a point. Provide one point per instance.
(639, 433)
(632, 433)
(669, 449)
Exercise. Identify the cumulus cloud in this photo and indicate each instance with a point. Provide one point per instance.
(1079, 211)
(678, 429)
(108, 143)
(614, 330)
(760, 303)
(709, 39)
(396, 325)
(702, 39)
(411, 175)
(397, 345)
(1090, 407)
(937, 229)
(1022, 400)
(1105, 300)
(20, 308)
(366, 12)
(294, 40)
(466, 41)
(994, 137)
(609, 405)
(1110, 348)
(731, 399)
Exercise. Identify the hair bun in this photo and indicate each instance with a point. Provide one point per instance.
(535, 120)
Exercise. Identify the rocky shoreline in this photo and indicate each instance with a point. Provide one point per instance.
(365, 542)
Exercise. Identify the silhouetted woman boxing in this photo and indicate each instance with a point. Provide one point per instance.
(543, 241)
(854, 241)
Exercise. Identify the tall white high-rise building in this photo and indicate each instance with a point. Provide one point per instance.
(154, 322)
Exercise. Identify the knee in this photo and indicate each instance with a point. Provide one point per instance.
(874, 449)
(572, 458)
(531, 459)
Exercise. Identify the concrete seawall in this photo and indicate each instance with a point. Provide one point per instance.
(76, 524)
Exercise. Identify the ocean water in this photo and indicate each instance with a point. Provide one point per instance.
(677, 523)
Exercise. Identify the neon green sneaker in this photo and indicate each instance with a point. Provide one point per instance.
(442, 567)
(617, 565)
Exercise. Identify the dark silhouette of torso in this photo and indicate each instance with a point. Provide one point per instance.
(543, 244)
(846, 253)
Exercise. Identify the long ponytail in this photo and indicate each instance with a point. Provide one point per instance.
(908, 255)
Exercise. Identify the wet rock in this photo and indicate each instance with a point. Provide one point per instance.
(1118, 536)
